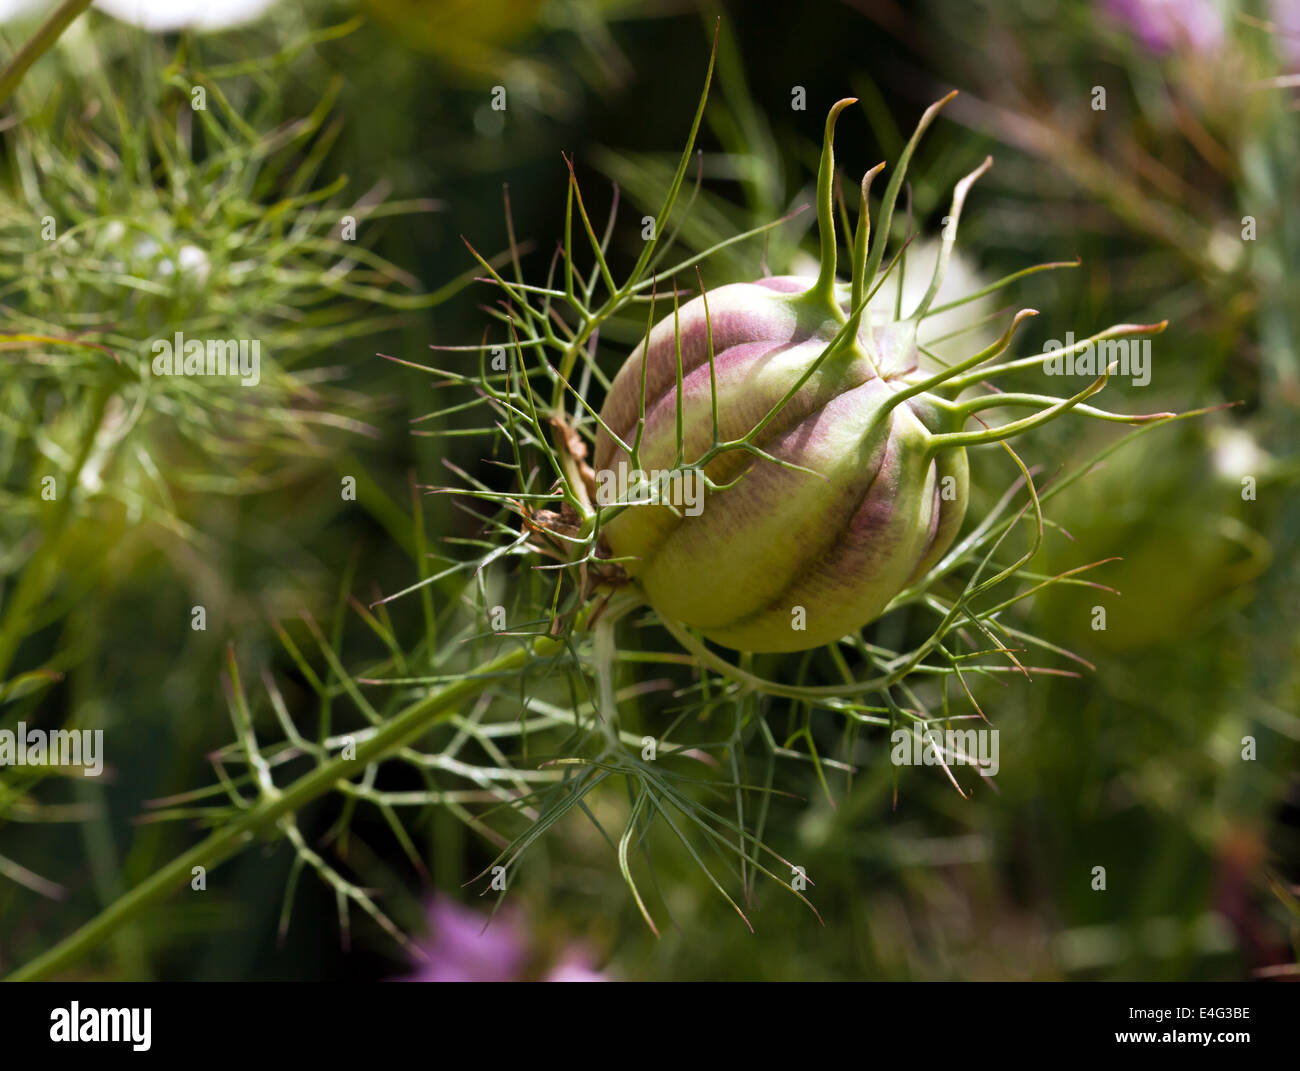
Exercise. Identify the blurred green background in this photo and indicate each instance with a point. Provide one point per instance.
(1136, 765)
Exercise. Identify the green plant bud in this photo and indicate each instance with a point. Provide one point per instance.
(796, 546)
(773, 465)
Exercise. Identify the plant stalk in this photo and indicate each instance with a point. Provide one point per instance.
(41, 42)
(234, 837)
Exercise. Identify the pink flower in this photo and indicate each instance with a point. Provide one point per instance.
(465, 945)
(1286, 17)
(1166, 25)
(460, 949)
(575, 966)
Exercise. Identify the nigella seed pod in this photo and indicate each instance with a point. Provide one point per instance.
(844, 510)
(835, 468)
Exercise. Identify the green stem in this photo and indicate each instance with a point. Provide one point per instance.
(823, 290)
(949, 239)
(603, 655)
(1042, 401)
(895, 184)
(945, 376)
(228, 841)
(42, 41)
(1002, 432)
(860, 242)
(956, 386)
(41, 571)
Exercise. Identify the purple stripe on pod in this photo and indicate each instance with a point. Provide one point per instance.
(751, 380)
(857, 573)
(759, 536)
(737, 313)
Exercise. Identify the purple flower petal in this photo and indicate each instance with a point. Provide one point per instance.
(459, 949)
(1166, 25)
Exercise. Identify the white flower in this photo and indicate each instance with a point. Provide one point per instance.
(960, 278)
(1236, 454)
(163, 15)
(159, 16)
(12, 9)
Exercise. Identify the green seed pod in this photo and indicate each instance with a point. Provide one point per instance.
(845, 509)
(773, 467)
